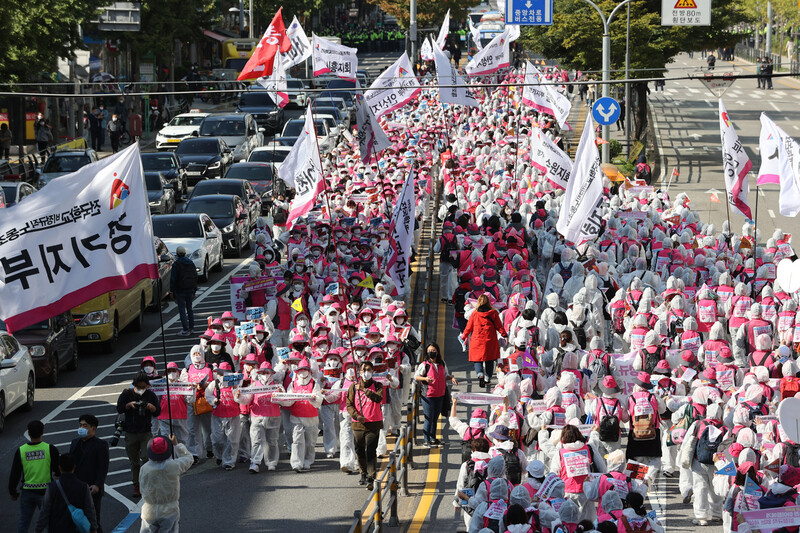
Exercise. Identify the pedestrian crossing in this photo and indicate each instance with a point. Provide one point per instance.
(737, 96)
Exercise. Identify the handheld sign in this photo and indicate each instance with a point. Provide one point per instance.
(727, 470)
(479, 398)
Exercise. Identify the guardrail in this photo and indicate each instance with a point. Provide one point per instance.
(401, 458)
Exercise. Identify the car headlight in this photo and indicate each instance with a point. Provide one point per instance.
(228, 228)
(37, 351)
(195, 255)
(95, 318)
(214, 166)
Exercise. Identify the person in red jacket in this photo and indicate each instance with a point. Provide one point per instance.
(482, 328)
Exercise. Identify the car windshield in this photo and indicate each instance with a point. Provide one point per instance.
(152, 162)
(222, 127)
(177, 227)
(295, 127)
(295, 84)
(10, 193)
(152, 181)
(65, 163)
(205, 188)
(256, 99)
(332, 111)
(192, 146)
(268, 156)
(186, 121)
(250, 172)
(212, 207)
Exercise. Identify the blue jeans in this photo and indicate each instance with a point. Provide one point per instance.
(488, 365)
(183, 298)
(29, 501)
(432, 408)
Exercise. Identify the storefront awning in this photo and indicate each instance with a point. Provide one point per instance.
(215, 36)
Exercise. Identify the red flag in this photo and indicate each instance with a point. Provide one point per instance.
(260, 63)
(715, 198)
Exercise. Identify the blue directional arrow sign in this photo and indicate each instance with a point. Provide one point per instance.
(606, 111)
(529, 12)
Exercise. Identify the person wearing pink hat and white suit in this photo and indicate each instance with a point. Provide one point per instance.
(265, 420)
(226, 427)
(177, 407)
(304, 416)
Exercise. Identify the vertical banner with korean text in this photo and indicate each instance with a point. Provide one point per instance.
(402, 235)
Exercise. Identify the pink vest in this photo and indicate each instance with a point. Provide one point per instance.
(303, 408)
(785, 321)
(637, 337)
(690, 340)
(369, 409)
(739, 307)
(755, 328)
(227, 406)
(577, 461)
(637, 397)
(711, 350)
(177, 405)
(706, 315)
(262, 404)
(618, 482)
(725, 293)
(284, 315)
(437, 386)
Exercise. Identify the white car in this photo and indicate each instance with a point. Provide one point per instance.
(17, 378)
(325, 139)
(179, 128)
(270, 154)
(198, 234)
(239, 130)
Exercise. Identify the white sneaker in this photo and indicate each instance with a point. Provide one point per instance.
(270, 467)
(254, 469)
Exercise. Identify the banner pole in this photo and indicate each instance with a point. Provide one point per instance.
(166, 372)
(674, 169)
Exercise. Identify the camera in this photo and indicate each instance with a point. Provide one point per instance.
(140, 407)
(118, 429)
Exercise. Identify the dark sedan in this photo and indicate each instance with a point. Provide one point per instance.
(240, 188)
(53, 345)
(260, 176)
(258, 103)
(170, 167)
(203, 158)
(160, 195)
(228, 213)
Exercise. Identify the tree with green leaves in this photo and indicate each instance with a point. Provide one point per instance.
(429, 13)
(35, 33)
(575, 41)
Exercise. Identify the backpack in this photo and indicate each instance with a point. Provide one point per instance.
(650, 360)
(187, 276)
(642, 526)
(565, 272)
(513, 468)
(474, 477)
(706, 448)
(599, 366)
(644, 426)
(580, 333)
(447, 247)
(643, 172)
(678, 431)
(608, 428)
(618, 318)
(770, 500)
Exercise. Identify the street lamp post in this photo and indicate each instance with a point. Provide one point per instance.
(606, 61)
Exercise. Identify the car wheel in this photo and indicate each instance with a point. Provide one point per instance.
(204, 275)
(2, 412)
(111, 343)
(52, 378)
(30, 393)
(138, 324)
(73, 362)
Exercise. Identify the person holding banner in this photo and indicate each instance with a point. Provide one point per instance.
(176, 409)
(364, 398)
(304, 416)
(484, 349)
(265, 419)
(200, 374)
(225, 424)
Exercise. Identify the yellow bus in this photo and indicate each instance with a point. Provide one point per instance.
(236, 52)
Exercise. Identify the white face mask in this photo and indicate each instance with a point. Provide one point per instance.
(172, 376)
(259, 337)
(379, 293)
(304, 377)
(299, 268)
(197, 359)
(263, 378)
(138, 391)
(333, 318)
(366, 319)
(323, 348)
(316, 253)
(227, 325)
(366, 375)
(297, 287)
(350, 374)
(302, 322)
(248, 369)
(149, 369)
(355, 308)
(216, 348)
(293, 366)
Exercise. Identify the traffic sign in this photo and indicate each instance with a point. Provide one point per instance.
(717, 82)
(685, 12)
(529, 12)
(606, 111)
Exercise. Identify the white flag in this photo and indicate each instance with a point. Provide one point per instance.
(371, 137)
(476, 34)
(735, 164)
(492, 58)
(457, 92)
(443, 31)
(580, 216)
(334, 58)
(544, 98)
(302, 166)
(550, 159)
(301, 47)
(81, 236)
(275, 84)
(402, 235)
(514, 32)
(396, 86)
(426, 52)
(781, 158)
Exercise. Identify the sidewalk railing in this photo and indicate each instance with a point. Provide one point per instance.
(749, 53)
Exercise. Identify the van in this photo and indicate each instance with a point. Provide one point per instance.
(100, 320)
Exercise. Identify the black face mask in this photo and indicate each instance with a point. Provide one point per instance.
(432, 355)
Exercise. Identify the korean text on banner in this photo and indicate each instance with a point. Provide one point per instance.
(544, 98)
(452, 88)
(780, 163)
(238, 297)
(370, 135)
(274, 39)
(579, 218)
(307, 172)
(82, 237)
(491, 58)
(735, 164)
(333, 58)
(550, 159)
(402, 235)
(396, 86)
(301, 47)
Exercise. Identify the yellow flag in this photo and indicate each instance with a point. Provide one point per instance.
(297, 305)
(367, 283)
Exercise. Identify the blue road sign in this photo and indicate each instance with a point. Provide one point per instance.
(606, 111)
(529, 12)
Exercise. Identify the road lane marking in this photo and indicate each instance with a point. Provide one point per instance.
(771, 213)
(774, 106)
(761, 191)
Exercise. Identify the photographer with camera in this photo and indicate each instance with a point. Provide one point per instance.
(139, 405)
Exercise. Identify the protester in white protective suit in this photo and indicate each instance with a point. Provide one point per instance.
(265, 420)
(304, 417)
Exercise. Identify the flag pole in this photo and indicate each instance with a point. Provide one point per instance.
(166, 371)
(674, 170)
(516, 144)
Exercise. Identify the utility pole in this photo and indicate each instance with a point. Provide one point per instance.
(412, 31)
(769, 30)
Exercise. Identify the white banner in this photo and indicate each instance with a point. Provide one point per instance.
(476, 34)
(371, 137)
(544, 98)
(441, 39)
(579, 218)
(492, 58)
(384, 96)
(238, 296)
(286, 396)
(82, 235)
(457, 93)
(175, 389)
(261, 389)
(275, 83)
(302, 166)
(479, 398)
(735, 164)
(550, 159)
(301, 46)
(402, 235)
(334, 58)
(426, 51)
(780, 158)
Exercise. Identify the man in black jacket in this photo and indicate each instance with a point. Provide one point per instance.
(91, 459)
(139, 405)
(55, 515)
